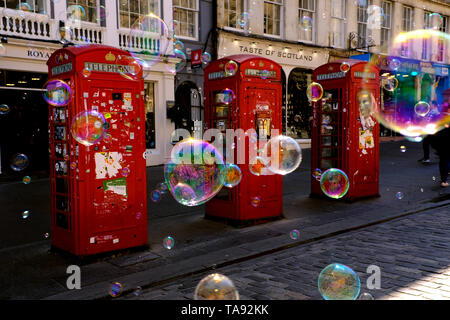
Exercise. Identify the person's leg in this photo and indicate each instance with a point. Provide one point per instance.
(443, 169)
(426, 147)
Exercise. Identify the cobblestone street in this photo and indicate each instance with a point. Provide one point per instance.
(412, 252)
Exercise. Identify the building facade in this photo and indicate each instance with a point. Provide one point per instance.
(31, 30)
(303, 34)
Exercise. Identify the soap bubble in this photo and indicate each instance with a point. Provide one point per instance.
(398, 111)
(25, 214)
(206, 58)
(57, 93)
(87, 127)
(402, 148)
(244, 19)
(26, 179)
(129, 67)
(265, 74)
(125, 172)
(24, 7)
(294, 234)
(178, 45)
(86, 72)
(193, 173)
(230, 68)
(345, 66)
(162, 187)
(257, 166)
(156, 195)
(389, 83)
(115, 289)
(73, 165)
(179, 65)
(334, 183)
(338, 282)
(399, 195)
(255, 201)
(422, 108)
(436, 20)
(314, 92)
(137, 291)
(76, 12)
(226, 96)
(168, 242)
(282, 154)
(19, 162)
(46, 235)
(231, 175)
(151, 37)
(317, 174)
(306, 23)
(216, 287)
(4, 109)
(365, 296)
(394, 64)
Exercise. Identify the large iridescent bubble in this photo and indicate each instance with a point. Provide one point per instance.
(216, 287)
(150, 36)
(282, 154)
(193, 173)
(338, 282)
(57, 93)
(334, 183)
(88, 127)
(417, 78)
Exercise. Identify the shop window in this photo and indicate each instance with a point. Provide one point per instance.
(298, 113)
(150, 130)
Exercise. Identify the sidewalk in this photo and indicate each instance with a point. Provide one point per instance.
(29, 271)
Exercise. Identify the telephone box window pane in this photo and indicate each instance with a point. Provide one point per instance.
(150, 130)
(329, 130)
(61, 186)
(328, 163)
(60, 150)
(62, 203)
(329, 153)
(330, 141)
(61, 168)
(62, 220)
(59, 115)
(221, 124)
(60, 133)
(221, 111)
(223, 194)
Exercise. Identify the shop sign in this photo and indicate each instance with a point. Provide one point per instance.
(196, 59)
(62, 68)
(106, 67)
(329, 76)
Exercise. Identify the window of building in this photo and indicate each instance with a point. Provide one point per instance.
(425, 43)
(441, 49)
(37, 6)
(338, 16)
(88, 12)
(185, 12)
(234, 14)
(306, 16)
(272, 17)
(364, 33)
(150, 130)
(386, 26)
(407, 18)
(131, 11)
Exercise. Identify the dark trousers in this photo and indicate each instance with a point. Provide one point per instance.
(426, 147)
(444, 167)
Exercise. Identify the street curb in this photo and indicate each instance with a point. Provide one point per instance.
(198, 265)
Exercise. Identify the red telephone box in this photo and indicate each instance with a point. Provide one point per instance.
(248, 98)
(344, 133)
(98, 191)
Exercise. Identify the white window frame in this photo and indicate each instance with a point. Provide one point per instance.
(387, 24)
(313, 18)
(46, 5)
(196, 13)
(445, 28)
(342, 23)
(238, 14)
(362, 20)
(407, 25)
(426, 45)
(139, 13)
(97, 20)
(281, 6)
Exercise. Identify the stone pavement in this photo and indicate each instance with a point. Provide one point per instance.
(29, 271)
(413, 254)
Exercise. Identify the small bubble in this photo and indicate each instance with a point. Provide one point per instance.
(399, 195)
(25, 214)
(137, 291)
(255, 201)
(402, 148)
(115, 290)
(168, 242)
(294, 234)
(365, 296)
(46, 235)
(26, 179)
